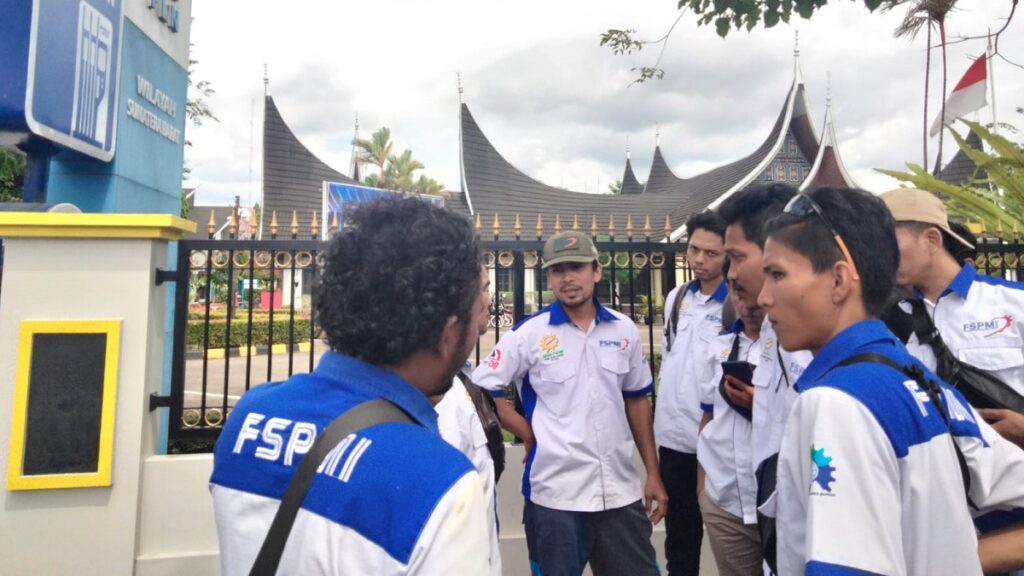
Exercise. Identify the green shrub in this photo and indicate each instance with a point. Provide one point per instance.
(240, 329)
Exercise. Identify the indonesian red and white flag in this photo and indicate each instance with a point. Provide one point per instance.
(968, 96)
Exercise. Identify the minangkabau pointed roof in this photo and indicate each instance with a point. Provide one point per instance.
(961, 169)
(630, 185)
(292, 175)
(828, 168)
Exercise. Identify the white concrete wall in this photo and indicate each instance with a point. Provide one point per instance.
(177, 533)
(82, 530)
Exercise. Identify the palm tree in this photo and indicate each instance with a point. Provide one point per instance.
(399, 171)
(429, 186)
(376, 150)
(924, 14)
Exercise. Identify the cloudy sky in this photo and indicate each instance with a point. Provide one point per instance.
(554, 102)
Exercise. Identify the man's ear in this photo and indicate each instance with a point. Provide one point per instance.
(843, 284)
(934, 238)
(448, 343)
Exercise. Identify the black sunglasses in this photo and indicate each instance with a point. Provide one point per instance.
(802, 206)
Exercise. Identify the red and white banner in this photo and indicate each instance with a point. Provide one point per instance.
(968, 95)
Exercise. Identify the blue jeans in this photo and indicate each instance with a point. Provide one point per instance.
(615, 542)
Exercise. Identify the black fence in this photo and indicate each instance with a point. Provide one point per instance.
(243, 314)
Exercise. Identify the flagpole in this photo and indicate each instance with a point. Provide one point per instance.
(992, 83)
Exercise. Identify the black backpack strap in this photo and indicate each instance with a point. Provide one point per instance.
(487, 412)
(934, 391)
(671, 326)
(353, 420)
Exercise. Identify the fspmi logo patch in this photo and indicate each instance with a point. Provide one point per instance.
(619, 344)
(997, 325)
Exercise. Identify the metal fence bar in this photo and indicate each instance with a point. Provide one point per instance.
(227, 332)
(249, 349)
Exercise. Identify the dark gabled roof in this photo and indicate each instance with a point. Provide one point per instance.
(961, 169)
(490, 184)
(630, 185)
(292, 175)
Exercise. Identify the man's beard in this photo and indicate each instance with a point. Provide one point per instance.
(456, 362)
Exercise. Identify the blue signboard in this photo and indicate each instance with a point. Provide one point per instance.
(337, 196)
(72, 78)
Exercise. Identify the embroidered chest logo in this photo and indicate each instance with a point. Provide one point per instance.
(494, 360)
(549, 346)
(767, 354)
(621, 345)
(997, 325)
(723, 355)
(821, 470)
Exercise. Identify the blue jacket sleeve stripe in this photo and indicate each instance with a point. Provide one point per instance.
(815, 568)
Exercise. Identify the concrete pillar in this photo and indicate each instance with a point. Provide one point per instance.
(69, 267)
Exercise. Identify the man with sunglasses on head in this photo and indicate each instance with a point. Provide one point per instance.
(869, 472)
(693, 317)
(771, 392)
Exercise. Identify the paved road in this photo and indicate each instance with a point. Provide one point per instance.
(227, 376)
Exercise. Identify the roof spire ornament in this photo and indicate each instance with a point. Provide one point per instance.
(266, 80)
(657, 135)
(458, 80)
(828, 90)
(797, 74)
(627, 147)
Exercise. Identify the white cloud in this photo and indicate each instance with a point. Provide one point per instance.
(555, 103)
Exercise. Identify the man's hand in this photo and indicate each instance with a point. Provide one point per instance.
(528, 446)
(654, 490)
(741, 393)
(1007, 423)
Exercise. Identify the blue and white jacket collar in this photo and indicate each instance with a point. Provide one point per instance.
(376, 382)
(862, 337)
(557, 314)
(719, 295)
(960, 285)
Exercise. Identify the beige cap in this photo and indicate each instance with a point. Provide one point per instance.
(570, 246)
(913, 205)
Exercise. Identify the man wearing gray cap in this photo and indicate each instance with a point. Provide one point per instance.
(580, 370)
(979, 317)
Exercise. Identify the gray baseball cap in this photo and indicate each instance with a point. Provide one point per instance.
(570, 246)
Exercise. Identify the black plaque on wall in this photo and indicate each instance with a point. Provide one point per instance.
(65, 404)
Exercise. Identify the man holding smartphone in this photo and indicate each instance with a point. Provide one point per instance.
(727, 489)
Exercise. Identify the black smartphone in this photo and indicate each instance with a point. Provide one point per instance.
(741, 370)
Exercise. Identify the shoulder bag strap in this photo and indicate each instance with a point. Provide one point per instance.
(670, 327)
(353, 420)
(934, 392)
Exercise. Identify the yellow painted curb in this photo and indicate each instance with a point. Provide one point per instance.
(304, 346)
(215, 353)
(278, 348)
(250, 351)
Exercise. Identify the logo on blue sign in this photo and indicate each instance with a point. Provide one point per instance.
(74, 60)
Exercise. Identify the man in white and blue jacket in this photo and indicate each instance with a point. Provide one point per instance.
(400, 301)
(869, 480)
